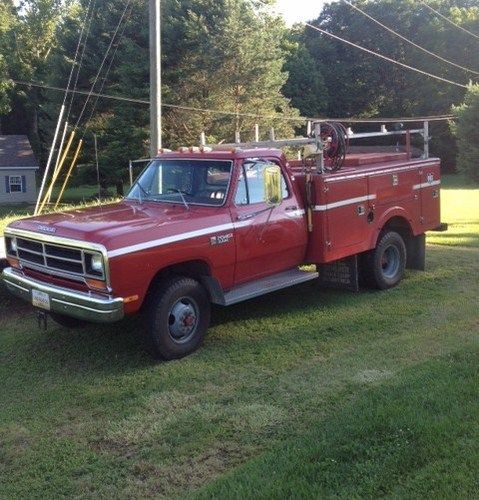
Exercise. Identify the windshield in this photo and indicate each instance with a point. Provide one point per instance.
(200, 182)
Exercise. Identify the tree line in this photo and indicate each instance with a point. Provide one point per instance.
(235, 56)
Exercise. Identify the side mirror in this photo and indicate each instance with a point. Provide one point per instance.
(273, 189)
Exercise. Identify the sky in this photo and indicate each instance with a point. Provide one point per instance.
(300, 10)
(293, 11)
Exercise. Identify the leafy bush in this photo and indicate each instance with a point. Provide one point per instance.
(466, 130)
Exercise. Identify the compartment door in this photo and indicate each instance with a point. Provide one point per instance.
(346, 208)
(430, 199)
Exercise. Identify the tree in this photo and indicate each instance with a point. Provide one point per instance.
(360, 85)
(217, 54)
(27, 37)
(467, 134)
(227, 55)
(305, 86)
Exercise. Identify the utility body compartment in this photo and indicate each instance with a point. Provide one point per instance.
(350, 207)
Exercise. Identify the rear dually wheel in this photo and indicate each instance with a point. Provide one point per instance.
(384, 265)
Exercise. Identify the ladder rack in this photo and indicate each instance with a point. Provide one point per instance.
(315, 139)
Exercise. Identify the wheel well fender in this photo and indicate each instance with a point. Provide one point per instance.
(415, 244)
(196, 269)
(396, 219)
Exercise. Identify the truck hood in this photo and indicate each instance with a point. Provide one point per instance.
(124, 223)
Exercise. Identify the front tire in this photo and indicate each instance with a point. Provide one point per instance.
(384, 265)
(177, 317)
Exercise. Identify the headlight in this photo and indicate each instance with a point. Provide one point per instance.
(13, 245)
(97, 263)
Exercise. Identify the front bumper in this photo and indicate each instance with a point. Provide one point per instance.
(81, 305)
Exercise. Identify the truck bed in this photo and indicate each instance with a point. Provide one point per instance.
(350, 207)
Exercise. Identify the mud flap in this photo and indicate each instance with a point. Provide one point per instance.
(340, 274)
(416, 252)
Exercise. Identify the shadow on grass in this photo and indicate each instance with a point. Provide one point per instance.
(413, 437)
(305, 314)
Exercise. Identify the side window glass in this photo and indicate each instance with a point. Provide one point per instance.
(254, 178)
(252, 190)
(241, 197)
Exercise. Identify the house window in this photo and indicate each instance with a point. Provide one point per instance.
(15, 182)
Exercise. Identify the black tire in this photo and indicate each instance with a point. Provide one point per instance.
(177, 316)
(384, 265)
(67, 321)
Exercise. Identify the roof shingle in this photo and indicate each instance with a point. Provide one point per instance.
(15, 151)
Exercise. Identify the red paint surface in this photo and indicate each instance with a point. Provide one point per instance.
(266, 245)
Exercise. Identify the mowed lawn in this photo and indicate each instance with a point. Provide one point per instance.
(303, 393)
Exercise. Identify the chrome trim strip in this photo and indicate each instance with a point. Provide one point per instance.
(53, 272)
(19, 287)
(426, 184)
(96, 311)
(343, 203)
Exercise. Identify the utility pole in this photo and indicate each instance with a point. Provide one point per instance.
(155, 78)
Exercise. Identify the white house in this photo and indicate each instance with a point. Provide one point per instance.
(18, 168)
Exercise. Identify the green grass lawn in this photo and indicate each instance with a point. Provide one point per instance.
(303, 393)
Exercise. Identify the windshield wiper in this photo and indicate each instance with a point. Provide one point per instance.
(138, 183)
(180, 192)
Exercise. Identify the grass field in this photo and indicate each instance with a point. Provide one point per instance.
(303, 393)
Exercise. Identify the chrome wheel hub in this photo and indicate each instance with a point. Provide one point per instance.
(183, 319)
(390, 262)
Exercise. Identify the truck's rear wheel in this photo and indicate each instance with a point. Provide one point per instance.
(384, 265)
(177, 317)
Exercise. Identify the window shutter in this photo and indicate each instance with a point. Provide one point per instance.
(24, 184)
(7, 183)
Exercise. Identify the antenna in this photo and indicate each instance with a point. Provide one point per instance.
(97, 168)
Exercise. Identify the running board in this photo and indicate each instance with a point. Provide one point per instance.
(267, 285)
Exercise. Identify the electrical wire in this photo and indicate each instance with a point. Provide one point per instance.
(405, 119)
(105, 76)
(385, 57)
(88, 20)
(77, 50)
(437, 56)
(102, 63)
(449, 21)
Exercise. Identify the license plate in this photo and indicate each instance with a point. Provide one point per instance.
(40, 299)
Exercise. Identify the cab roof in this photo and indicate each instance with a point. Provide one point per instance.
(219, 154)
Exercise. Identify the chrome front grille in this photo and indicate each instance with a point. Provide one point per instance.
(53, 258)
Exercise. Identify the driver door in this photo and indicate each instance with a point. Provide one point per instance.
(268, 239)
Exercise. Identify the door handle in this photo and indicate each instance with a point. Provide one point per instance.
(245, 216)
(291, 209)
(253, 214)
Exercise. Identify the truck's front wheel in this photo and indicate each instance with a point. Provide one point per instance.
(177, 317)
(384, 265)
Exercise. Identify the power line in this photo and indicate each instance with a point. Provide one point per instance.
(410, 119)
(77, 50)
(449, 21)
(88, 19)
(105, 76)
(437, 56)
(103, 62)
(385, 57)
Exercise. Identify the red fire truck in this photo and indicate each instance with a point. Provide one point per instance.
(226, 224)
